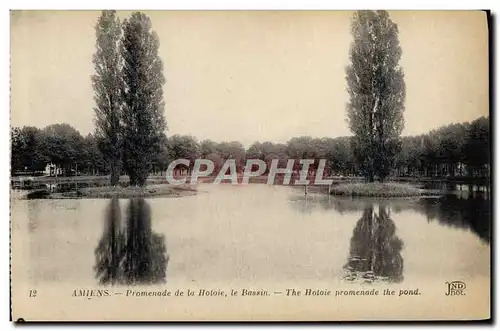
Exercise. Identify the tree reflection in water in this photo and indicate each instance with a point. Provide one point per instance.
(472, 211)
(375, 252)
(130, 253)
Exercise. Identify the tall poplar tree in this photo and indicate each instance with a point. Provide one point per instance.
(107, 86)
(376, 87)
(143, 113)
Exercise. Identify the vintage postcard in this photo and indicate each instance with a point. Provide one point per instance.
(250, 166)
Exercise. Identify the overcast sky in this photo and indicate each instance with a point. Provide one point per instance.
(251, 76)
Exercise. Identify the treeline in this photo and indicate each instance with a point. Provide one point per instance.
(452, 150)
(59, 144)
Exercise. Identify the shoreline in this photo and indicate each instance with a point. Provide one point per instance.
(161, 179)
(108, 192)
(377, 190)
(155, 188)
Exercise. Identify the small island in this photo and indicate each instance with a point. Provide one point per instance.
(106, 192)
(375, 189)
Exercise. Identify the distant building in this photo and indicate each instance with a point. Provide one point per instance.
(52, 170)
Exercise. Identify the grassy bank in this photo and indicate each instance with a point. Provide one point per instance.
(106, 192)
(383, 190)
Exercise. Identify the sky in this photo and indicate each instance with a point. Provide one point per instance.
(252, 75)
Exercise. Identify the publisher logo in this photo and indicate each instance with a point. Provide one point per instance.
(455, 287)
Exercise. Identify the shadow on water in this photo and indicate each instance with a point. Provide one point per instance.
(38, 194)
(472, 212)
(130, 253)
(375, 250)
(469, 210)
(456, 188)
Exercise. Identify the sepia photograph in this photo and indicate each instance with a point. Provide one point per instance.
(285, 165)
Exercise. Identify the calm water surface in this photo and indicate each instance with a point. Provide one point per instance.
(254, 233)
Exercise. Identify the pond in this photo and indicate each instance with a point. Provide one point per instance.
(252, 233)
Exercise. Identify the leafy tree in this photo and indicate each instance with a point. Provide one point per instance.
(143, 112)
(267, 151)
(162, 159)
(62, 145)
(255, 151)
(26, 153)
(92, 158)
(340, 156)
(409, 161)
(183, 147)
(431, 145)
(232, 150)
(217, 161)
(107, 84)
(16, 149)
(451, 141)
(476, 149)
(259, 150)
(207, 147)
(377, 92)
(301, 148)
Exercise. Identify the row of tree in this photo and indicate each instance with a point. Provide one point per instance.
(128, 94)
(59, 144)
(452, 150)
